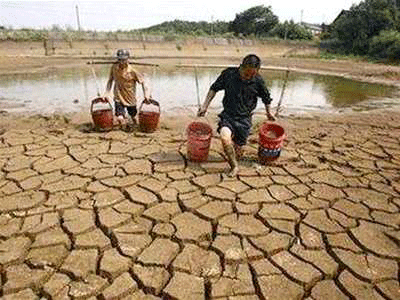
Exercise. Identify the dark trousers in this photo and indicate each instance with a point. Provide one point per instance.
(120, 109)
(240, 128)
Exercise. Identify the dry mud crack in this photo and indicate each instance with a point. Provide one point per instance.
(116, 215)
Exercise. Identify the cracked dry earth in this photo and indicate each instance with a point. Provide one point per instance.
(119, 215)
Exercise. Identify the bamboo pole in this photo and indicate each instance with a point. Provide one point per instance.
(226, 66)
(274, 68)
(203, 66)
(112, 62)
(197, 87)
(95, 80)
(278, 108)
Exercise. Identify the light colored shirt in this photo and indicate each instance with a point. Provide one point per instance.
(125, 80)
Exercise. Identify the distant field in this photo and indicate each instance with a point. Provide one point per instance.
(189, 47)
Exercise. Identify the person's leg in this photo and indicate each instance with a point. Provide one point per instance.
(238, 151)
(241, 133)
(120, 113)
(132, 111)
(227, 144)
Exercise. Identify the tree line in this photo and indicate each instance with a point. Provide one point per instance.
(255, 22)
(370, 28)
(258, 21)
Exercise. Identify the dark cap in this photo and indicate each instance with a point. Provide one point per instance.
(122, 54)
(251, 60)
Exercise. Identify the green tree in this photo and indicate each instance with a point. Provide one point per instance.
(291, 31)
(186, 27)
(56, 28)
(386, 46)
(258, 20)
(353, 31)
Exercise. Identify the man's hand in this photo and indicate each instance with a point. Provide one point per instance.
(146, 100)
(201, 112)
(107, 95)
(270, 117)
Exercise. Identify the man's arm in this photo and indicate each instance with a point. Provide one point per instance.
(266, 98)
(110, 81)
(268, 111)
(218, 85)
(203, 109)
(146, 93)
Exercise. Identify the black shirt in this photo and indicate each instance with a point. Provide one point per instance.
(240, 97)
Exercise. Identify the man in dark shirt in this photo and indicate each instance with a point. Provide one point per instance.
(242, 86)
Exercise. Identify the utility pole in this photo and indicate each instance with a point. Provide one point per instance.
(77, 18)
(212, 25)
(301, 17)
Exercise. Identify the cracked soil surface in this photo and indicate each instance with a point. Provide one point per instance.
(125, 215)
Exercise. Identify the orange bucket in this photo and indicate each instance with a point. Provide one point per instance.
(271, 137)
(149, 119)
(102, 116)
(199, 140)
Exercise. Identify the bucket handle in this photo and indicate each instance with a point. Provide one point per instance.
(100, 100)
(151, 101)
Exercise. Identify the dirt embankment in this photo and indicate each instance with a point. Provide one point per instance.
(25, 57)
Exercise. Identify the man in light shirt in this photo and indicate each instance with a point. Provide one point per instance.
(125, 77)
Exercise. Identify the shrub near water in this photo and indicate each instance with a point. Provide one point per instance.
(291, 31)
(370, 28)
(386, 45)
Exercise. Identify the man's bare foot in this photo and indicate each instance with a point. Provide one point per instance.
(128, 127)
(231, 157)
(121, 122)
(233, 172)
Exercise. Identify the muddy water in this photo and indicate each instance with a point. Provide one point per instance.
(71, 90)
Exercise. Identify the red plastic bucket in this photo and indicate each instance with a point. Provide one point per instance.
(199, 140)
(271, 137)
(102, 117)
(148, 117)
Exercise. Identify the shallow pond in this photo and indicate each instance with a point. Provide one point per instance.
(72, 90)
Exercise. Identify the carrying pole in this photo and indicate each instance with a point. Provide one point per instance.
(197, 87)
(278, 108)
(95, 79)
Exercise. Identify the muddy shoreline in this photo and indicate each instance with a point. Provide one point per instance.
(23, 58)
(28, 57)
(360, 71)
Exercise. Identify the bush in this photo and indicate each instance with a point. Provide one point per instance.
(385, 46)
(23, 35)
(291, 31)
(333, 46)
(357, 26)
(229, 35)
(169, 37)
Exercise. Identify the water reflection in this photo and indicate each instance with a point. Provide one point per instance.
(71, 90)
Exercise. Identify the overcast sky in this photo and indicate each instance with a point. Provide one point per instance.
(126, 15)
